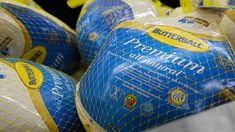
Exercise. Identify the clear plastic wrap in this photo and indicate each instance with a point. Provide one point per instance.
(190, 5)
(156, 70)
(34, 97)
(99, 17)
(218, 3)
(228, 22)
(161, 8)
(30, 3)
(32, 34)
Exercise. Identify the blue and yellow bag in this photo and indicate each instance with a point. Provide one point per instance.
(152, 72)
(32, 34)
(34, 97)
(99, 17)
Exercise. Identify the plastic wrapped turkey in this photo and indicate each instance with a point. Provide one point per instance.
(228, 22)
(34, 97)
(32, 34)
(157, 70)
(99, 17)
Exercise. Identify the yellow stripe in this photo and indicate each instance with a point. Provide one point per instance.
(231, 14)
(8, 63)
(44, 13)
(84, 9)
(85, 117)
(42, 109)
(29, 3)
(39, 104)
(144, 27)
(134, 25)
(27, 37)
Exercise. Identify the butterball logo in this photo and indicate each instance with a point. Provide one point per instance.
(178, 38)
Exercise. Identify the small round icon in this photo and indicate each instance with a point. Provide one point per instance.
(177, 97)
(130, 101)
(93, 36)
(147, 108)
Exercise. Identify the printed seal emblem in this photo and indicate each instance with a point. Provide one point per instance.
(177, 97)
(130, 101)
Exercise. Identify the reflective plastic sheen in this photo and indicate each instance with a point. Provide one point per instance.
(152, 72)
(34, 97)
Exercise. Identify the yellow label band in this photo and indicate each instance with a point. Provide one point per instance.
(90, 126)
(33, 79)
(31, 76)
(42, 109)
(8, 63)
(178, 38)
(37, 54)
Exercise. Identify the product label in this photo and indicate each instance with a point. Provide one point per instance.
(190, 19)
(30, 75)
(18, 109)
(145, 78)
(37, 54)
(178, 38)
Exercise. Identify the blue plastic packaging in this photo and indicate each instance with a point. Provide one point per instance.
(99, 17)
(32, 34)
(152, 72)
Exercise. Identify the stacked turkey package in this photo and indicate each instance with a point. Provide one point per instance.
(142, 64)
(35, 97)
(155, 70)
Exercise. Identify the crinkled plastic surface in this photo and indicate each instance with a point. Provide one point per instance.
(34, 97)
(33, 34)
(99, 17)
(30, 3)
(190, 5)
(161, 8)
(218, 3)
(154, 71)
(228, 23)
(218, 119)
